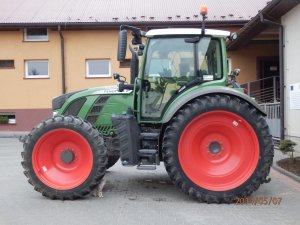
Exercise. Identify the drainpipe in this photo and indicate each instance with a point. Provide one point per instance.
(62, 50)
(281, 72)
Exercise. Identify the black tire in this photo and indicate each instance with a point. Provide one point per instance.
(88, 133)
(205, 104)
(113, 150)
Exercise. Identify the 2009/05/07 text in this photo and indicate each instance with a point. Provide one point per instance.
(259, 201)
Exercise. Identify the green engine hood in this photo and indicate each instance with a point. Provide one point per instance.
(96, 105)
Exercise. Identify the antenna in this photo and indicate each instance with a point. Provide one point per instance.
(203, 12)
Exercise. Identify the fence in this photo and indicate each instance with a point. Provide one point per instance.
(273, 117)
(264, 90)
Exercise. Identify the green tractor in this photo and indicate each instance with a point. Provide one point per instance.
(180, 107)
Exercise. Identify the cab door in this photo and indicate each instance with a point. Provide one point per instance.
(169, 64)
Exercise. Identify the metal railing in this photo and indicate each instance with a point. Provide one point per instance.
(273, 117)
(266, 93)
(264, 90)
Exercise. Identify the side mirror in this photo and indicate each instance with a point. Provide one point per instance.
(122, 45)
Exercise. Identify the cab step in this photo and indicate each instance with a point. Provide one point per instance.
(147, 152)
(146, 167)
(148, 159)
(149, 136)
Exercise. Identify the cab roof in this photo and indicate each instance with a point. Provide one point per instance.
(186, 31)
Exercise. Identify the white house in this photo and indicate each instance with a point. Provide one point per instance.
(291, 24)
(279, 22)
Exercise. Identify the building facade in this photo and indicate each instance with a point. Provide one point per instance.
(31, 70)
(45, 54)
(282, 17)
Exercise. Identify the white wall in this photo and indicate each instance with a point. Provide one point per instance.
(291, 23)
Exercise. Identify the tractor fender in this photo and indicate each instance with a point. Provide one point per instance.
(189, 95)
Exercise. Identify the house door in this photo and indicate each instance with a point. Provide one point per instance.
(268, 72)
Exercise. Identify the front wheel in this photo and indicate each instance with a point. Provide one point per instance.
(64, 158)
(218, 148)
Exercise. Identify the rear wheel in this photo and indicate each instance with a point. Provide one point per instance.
(218, 148)
(64, 158)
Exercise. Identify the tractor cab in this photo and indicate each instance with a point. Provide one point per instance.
(177, 59)
(174, 60)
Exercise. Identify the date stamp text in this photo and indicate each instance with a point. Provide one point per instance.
(259, 201)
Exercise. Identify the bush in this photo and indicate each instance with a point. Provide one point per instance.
(3, 119)
(287, 146)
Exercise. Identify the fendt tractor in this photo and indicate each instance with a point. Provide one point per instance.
(179, 107)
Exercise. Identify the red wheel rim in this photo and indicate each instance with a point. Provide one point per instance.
(49, 166)
(218, 150)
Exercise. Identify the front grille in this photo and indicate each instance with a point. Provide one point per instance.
(96, 109)
(75, 106)
(105, 129)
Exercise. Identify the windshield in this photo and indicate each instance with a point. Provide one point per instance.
(173, 57)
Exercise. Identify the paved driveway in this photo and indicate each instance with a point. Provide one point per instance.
(135, 197)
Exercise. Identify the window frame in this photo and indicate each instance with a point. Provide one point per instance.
(27, 76)
(11, 118)
(88, 75)
(35, 40)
